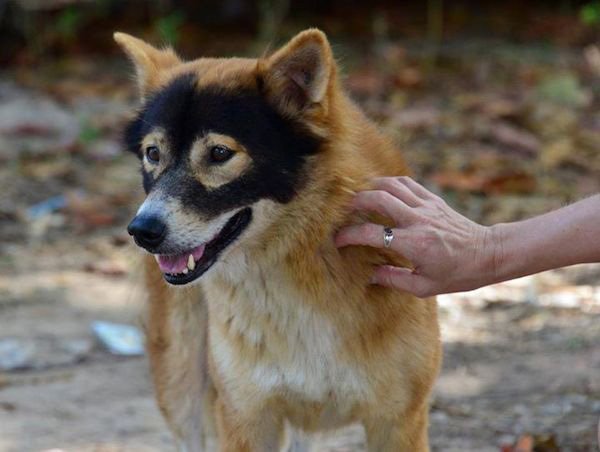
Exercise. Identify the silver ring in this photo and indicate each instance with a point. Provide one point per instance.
(388, 236)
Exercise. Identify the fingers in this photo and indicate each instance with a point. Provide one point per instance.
(368, 234)
(395, 187)
(416, 188)
(383, 203)
(405, 188)
(402, 279)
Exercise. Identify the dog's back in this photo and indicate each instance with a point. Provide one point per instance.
(284, 326)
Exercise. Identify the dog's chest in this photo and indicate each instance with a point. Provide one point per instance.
(271, 341)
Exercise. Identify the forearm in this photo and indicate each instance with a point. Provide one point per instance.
(566, 236)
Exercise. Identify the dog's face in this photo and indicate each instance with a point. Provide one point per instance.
(223, 143)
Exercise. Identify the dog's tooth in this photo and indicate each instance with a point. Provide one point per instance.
(191, 264)
(185, 271)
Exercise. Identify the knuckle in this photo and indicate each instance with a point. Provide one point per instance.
(390, 183)
(382, 180)
(367, 231)
(385, 279)
(427, 222)
(421, 291)
(364, 229)
(423, 217)
(439, 202)
(424, 241)
(429, 240)
(361, 230)
(381, 198)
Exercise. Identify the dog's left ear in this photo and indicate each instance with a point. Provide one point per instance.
(149, 61)
(298, 75)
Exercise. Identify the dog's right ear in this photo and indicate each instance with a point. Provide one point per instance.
(299, 75)
(149, 61)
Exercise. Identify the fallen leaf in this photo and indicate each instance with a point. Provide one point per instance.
(524, 444)
(533, 443)
(416, 118)
(90, 211)
(517, 182)
(514, 138)
(8, 406)
(106, 268)
(456, 180)
(513, 182)
(366, 82)
(409, 77)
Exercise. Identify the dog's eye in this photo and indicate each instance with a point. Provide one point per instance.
(153, 154)
(220, 153)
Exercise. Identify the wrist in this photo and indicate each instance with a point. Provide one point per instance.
(494, 261)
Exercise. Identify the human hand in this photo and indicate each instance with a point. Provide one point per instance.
(449, 252)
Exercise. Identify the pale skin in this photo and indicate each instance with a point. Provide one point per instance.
(451, 253)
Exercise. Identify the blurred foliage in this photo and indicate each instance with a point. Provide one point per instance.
(563, 89)
(89, 133)
(69, 23)
(169, 27)
(590, 13)
(271, 15)
(31, 30)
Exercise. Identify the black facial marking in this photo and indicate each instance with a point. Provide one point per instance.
(278, 147)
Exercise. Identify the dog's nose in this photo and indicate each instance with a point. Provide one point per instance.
(147, 231)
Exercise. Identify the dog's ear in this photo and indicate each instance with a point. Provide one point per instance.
(148, 61)
(298, 75)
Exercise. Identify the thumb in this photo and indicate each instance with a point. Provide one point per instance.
(403, 279)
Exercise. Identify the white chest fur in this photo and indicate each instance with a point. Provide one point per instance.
(297, 348)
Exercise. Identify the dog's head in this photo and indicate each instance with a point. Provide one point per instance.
(223, 143)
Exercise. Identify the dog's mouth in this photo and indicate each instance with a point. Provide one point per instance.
(183, 268)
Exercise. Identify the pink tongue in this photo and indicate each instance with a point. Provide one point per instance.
(177, 263)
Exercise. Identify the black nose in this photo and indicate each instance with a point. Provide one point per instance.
(147, 231)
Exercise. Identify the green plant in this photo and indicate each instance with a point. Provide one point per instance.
(590, 13)
(562, 89)
(168, 27)
(68, 23)
(88, 133)
(271, 16)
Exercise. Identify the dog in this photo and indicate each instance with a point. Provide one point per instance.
(255, 319)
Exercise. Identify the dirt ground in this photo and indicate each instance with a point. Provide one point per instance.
(520, 357)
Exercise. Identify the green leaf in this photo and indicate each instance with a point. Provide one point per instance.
(68, 23)
(168, 27)
(590, 13)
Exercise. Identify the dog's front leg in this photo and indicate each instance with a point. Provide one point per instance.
(260, 432)
(403, 433)
(176, 332)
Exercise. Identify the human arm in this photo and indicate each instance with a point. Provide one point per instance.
(566, 236)
(450, 253)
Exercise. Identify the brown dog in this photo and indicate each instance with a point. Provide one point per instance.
(250, 166)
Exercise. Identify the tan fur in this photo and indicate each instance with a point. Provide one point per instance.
(295, 330)
(212, 176)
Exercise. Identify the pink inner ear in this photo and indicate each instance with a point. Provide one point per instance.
(300, 77)
(301, 69)
(298, 74)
